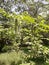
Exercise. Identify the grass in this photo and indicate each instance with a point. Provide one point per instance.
(10, 58)
(16, 58)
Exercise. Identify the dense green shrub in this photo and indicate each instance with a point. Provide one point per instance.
(25, 33)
